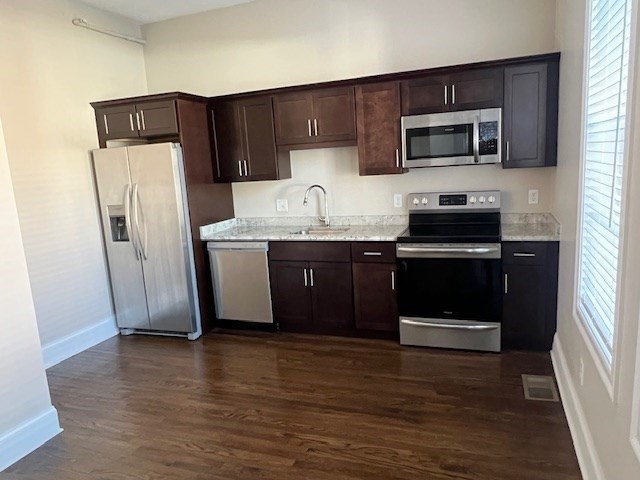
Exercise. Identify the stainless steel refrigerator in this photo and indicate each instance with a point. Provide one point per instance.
(145, 219)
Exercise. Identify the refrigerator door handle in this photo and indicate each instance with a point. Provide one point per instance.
(136, 216)
(128, 218)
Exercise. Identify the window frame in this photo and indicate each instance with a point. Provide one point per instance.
(607, 371)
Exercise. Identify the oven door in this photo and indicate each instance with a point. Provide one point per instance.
(441, 139)
(450, 295)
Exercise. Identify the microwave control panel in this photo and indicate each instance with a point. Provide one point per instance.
(488, 141)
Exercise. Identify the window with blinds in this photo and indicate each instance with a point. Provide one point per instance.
(604, 156)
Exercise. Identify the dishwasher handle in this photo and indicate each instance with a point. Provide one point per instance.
(239, 246)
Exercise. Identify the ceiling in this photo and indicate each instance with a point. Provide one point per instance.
(149, 11)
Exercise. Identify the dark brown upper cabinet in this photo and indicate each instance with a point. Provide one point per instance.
(461, 90)
(117, 122)
(378, 128)
(309, 118)
(530, 115)
(143, 119)
(245, 148)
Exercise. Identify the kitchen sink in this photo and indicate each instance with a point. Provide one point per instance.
(320, 231)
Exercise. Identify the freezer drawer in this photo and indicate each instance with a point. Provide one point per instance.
(240, 273)
(447, 333)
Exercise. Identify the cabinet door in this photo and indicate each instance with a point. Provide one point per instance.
(378, 124)
(331, 296)
(228, 141)
(525, 117)
(523, 312)
(476, 89)
(374, 288)
(334, 117)
(291, 295)
(116, 123)
(428, 94)
(530, 294)
(157, 118)
(293, 114)
(258, 140)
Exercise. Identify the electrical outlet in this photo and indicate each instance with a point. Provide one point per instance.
(397, 200)
(282, 205)
(581, 372)
(533, 197)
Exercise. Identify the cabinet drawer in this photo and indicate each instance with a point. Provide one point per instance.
(525, 253)
(373, 252)
(310, 251)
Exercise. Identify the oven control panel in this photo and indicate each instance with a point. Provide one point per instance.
(447, 201)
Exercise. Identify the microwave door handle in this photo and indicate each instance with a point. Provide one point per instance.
(476, 140)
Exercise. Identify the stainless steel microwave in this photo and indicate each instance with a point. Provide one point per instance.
(452, 138)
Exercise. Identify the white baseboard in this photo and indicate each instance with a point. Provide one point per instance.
(582, 440)
(55, 352)
(25, 438)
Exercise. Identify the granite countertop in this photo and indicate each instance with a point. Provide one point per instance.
(525, 227)
(358, 229)
(530, 227)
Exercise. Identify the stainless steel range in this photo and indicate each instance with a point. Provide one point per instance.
(449, 271)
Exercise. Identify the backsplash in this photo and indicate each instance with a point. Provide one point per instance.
(336, 169)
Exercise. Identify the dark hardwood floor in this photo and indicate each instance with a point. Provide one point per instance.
(283, 406)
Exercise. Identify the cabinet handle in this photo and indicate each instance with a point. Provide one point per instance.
(372, 254)
(311, 276)
(309, 125)
(506, 283)
(453, 94)
(306, 280)
(138, 120)
(446, 95)
(240, 167)
(315, 126)
(393, 280)
(144, 127)
(517, 254)
(397, 158)
(508, 151)
(106, 125)
(246, 169)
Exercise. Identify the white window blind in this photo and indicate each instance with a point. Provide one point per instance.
(604, 154)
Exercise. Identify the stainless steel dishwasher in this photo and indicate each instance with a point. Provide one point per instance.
(240, 273)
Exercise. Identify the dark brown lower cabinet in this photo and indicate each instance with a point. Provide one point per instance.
(530, 295)
(311, 287)
(374, 291)
(290, 296)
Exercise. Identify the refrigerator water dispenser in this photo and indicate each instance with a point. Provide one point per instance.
(118, 223)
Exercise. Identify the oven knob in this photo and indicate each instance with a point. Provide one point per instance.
(472, 200)
(416, 202)
(425, 200)
(481, 199)
(492, 199)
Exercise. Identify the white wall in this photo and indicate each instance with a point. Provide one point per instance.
(24, 393)
(50, 72)
(602, 424)
(350, 194)
(273, 43)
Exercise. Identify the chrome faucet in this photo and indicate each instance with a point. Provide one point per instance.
(325, 219)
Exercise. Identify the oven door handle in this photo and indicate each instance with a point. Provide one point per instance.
(448, 326)
(476, 139)
(454, 250)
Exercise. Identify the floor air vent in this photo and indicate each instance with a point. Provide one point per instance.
(539, 387)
